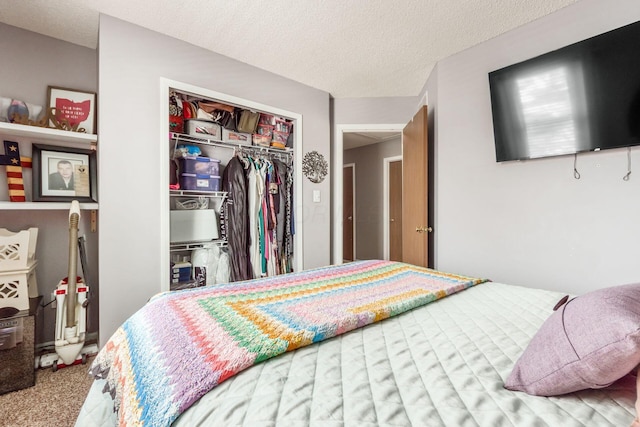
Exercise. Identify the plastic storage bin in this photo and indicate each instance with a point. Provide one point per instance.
(8, 338)
(197, 182)
(200, 165)
(17, 349)
(204, 128)
(180, 272)
(236, 137)
(280, 137)
(266, 119)
(262, 140)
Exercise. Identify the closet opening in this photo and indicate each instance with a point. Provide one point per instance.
(232, 205)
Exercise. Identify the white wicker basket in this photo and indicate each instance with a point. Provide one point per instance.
(17, 250)
(17, 268)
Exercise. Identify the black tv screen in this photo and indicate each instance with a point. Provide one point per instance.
(582, 97)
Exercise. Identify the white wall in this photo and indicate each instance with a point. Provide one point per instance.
(131, 62)
(531, 223)
(31, 62)
(383, 110)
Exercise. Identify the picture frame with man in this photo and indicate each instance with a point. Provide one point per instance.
(63, 174)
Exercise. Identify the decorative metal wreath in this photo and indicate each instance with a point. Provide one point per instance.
(314, 166)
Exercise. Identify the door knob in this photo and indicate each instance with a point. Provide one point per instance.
(393, 220)
(424, 229)
(350, 218)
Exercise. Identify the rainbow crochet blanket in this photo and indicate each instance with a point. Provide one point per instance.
(182, 344)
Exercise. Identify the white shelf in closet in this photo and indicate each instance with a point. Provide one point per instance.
(40, 135)
(187, 246)
(191, 139)
(195, 193)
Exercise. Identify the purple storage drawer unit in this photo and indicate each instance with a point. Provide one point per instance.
(197, 182)
(200, 165)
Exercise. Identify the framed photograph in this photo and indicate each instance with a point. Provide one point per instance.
(72, 109)
(62, 174)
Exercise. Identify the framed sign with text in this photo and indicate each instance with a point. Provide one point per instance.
(71, 109)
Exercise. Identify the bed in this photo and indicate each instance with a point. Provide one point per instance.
(440, 359)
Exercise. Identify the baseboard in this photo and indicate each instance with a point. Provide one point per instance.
(90, 338)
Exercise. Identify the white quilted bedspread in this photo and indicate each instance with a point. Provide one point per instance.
(440, 365)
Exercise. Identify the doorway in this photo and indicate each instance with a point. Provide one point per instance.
(392, 208)
(348, 212)
(338, 208)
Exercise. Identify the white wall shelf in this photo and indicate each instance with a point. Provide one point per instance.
(38, 134)
(62, 138)
(44, 206)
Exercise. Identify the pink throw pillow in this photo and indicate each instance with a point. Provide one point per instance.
(589, 342)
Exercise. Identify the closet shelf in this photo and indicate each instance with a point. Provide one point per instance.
(183, 285)
(195, 193)
(218, 143)
(186, 246)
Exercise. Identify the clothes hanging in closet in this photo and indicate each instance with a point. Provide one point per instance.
(269, 213)
(285, 230)
(255, 193)
(234, 182)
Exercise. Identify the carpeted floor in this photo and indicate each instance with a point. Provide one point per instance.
(55, 400)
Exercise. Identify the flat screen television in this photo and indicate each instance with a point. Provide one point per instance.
(582, 97)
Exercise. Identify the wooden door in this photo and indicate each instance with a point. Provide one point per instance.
(347, 214)
(395, 210)
(415, 225)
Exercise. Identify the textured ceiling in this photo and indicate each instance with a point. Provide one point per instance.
(349, 48)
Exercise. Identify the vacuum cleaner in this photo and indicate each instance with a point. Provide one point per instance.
(71, 303)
